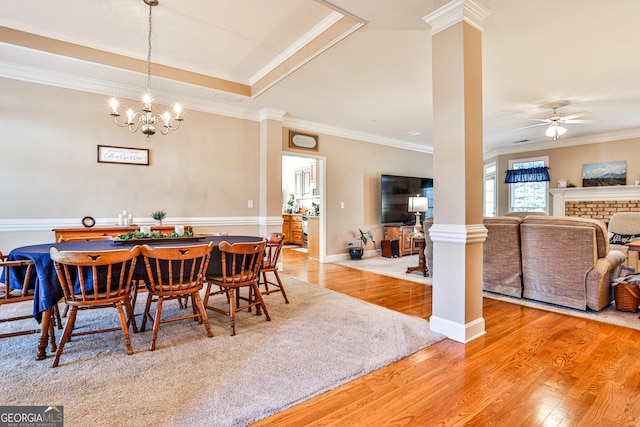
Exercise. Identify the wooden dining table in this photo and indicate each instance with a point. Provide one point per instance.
(47, 289)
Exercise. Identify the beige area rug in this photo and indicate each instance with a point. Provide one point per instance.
(393, 267)
(322, 339)
(396, 267)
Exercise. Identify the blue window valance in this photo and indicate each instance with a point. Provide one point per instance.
(527, 175)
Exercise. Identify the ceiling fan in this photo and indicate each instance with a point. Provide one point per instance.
(555, 121)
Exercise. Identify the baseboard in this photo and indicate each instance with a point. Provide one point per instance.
(463, 333)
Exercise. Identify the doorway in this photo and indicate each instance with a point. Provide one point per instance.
(303, 176)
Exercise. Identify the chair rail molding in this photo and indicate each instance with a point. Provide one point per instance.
(47, 224)
(581, 194)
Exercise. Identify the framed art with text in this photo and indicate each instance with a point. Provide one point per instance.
(306, 141)
(129, 156)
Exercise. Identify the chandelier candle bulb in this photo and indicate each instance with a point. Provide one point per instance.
(114, 107)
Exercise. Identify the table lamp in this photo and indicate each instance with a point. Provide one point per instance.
(418, 204)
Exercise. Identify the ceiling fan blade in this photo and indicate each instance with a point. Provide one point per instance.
(532, 126)
(573, 116)
(572, 122)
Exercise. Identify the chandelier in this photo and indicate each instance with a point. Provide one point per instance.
(145, 119)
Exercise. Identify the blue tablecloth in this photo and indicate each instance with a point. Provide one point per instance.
(47, 290)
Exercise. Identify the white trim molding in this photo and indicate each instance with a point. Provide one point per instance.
(469, 11)
(581, 194)
(463, 333)
(458, 233)
(48, 224)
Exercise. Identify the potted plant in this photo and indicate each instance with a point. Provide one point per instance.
(356, 252)
(158, 216)
(290, 202)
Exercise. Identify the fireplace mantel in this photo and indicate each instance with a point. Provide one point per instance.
(580, 194)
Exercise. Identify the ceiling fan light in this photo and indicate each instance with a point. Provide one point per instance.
(551, 131)
(561, 130)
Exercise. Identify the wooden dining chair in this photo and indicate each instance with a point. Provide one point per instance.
(240, 268)
(95, 280)
(175, 272)
(270, 265)
(22, 271)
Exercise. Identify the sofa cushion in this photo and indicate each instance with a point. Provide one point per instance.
(502, 268)
(602, 237)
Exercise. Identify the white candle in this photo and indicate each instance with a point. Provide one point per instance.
(145, 229)
(179, 229)
(130, 219)
(120, 219)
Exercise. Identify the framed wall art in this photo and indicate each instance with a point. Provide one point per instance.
(603, 174)
(129, 156)
(305, 141)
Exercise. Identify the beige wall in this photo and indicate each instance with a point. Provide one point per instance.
(566, 163)
(353, 170)
(209, 169)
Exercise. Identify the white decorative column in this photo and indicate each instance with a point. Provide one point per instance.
(269, 209)
(457, 232)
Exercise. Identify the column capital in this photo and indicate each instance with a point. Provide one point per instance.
(271, 114)
(471, 11)
(458, 233)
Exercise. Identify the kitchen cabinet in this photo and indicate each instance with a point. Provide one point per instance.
(305, 180)
(292, 229)
(298, 181)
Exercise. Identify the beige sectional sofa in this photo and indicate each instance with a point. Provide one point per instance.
(559, 260)
(567, 261)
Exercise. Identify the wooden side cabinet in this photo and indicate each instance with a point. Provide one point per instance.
(79, 233)
(401, 234)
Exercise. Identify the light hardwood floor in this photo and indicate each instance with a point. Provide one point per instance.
(532, 368)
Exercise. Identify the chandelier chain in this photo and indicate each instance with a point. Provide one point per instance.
(149, 54)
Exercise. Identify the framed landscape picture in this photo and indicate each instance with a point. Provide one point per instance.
(604, 174)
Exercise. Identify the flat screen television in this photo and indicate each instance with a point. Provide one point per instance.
(395, 191)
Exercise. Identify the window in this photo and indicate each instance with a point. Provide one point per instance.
(528, 196)
(490, 189)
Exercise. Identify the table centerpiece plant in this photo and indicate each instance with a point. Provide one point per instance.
(158, 216)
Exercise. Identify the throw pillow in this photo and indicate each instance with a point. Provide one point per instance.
(621, 239)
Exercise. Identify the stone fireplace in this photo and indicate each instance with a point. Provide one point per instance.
(595, 202)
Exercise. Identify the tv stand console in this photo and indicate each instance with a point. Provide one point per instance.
(406, 246)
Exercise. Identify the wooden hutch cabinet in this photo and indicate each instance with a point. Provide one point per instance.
(401, 234)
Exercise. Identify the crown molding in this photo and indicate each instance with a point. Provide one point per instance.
(85, 84)
(565, 142)
(358, 136)
(470, 11)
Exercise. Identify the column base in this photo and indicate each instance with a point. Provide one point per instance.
(463, 333)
